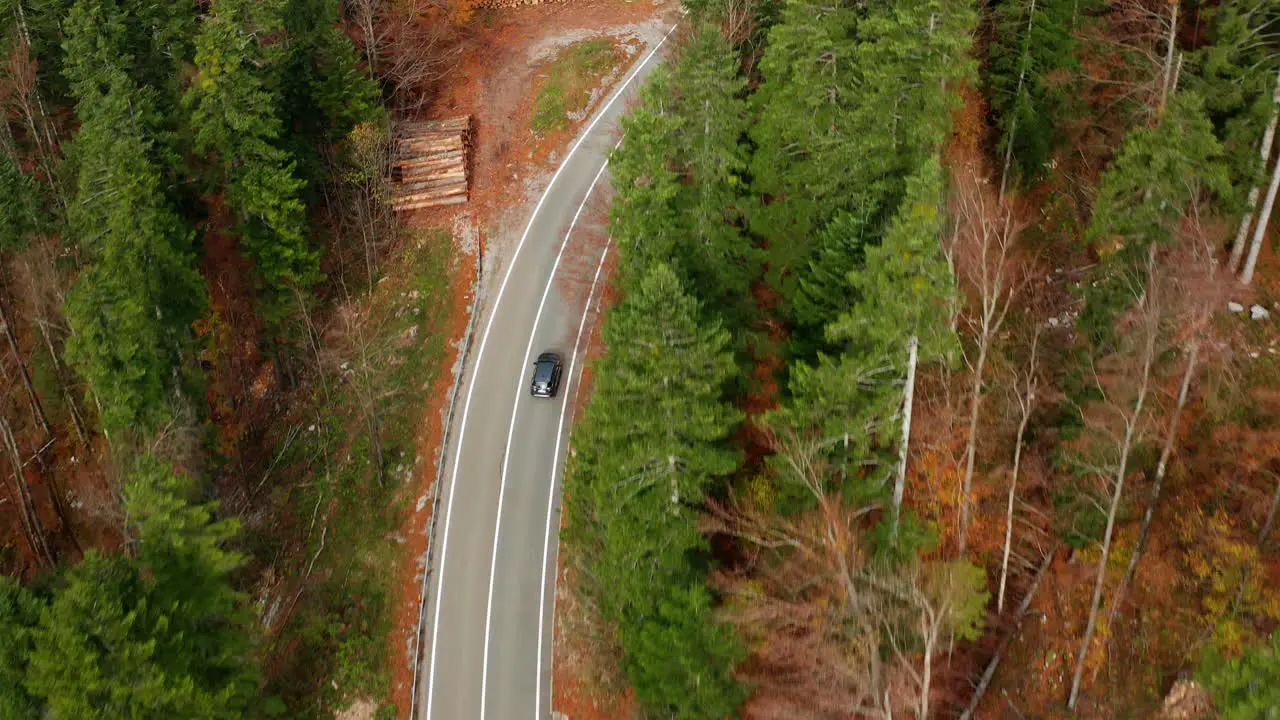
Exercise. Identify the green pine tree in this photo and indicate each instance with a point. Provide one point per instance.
(150, 42)
(1144, 197)
(182, 547)
(853, 100)
(905, 286)
(903, 289)
(823, 290)
(679, 661)
(19, 613)
(679, 177)
(159, 635)
(1245, 687)
(19, 205)
(101, 651)
(649, 448)
(1032, 63)
(715, 256)
(130, 310)
(643, 217)
(1236, 75)
(233, 104)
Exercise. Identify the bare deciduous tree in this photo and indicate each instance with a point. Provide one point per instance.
(819, 610)
(803, 607)
(364, 195)
(983, 242)
(409, 44)
(1026, 403)
(1130, 416)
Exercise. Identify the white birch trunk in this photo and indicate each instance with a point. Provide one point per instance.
(1246, 275)
(1264, 152)
(1027, 402)
(1161, 468)
(1171, 41)
(900, 481)
(1130, 429)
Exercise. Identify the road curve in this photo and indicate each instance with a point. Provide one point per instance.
(487, 653)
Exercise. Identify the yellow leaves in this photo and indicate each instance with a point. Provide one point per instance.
(1223, 568)
(1109, 246)
(760, 493)
(460, 11)
(924, 211)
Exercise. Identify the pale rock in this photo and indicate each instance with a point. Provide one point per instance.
(1235, 307)
(1186, 700)
(1257, 312)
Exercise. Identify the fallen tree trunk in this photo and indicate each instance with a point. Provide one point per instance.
(1007, 640)
(1154, 498)
(27, 513)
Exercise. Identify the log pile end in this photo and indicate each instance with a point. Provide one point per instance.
(431, 165)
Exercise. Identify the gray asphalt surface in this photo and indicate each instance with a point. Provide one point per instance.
(482, 648)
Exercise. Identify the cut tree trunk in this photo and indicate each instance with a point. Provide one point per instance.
(430, 163)
(456, 172)
(458, 124)
(429, 194)
(435, 183)
(427, 164)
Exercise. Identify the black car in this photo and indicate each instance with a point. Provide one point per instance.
(546, 375)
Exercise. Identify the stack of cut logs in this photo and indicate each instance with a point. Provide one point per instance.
(509, 3)
(430, 166)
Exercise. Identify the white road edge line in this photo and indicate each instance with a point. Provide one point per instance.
(555, 463)
(484, 340)
(511, 432)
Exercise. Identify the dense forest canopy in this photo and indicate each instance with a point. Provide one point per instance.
(1011, 223)
(179, 204)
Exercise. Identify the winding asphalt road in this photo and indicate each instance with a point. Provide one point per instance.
(487, 652)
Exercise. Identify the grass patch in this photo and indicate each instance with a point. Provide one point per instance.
(340, 501)
(570, 78)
